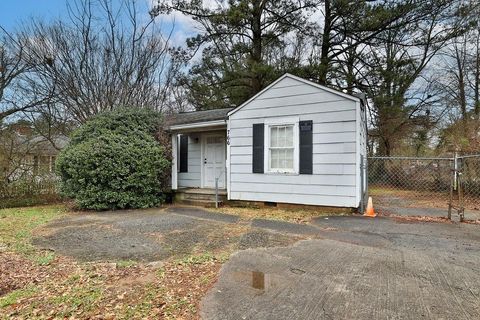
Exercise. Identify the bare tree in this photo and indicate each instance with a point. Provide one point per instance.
(395, 65)
(473, 67)
(101, 57)
(13, 68)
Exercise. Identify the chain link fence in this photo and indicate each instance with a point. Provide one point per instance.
(412, 186)
(468, 184)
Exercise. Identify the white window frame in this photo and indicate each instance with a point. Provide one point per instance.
(279, 122)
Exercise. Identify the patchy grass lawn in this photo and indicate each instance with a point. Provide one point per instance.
(40, 284)
(17, 224)
(296, 215)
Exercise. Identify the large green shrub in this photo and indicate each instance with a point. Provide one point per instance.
(123, 121)
(114, 162)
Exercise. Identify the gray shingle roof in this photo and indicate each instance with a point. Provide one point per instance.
(198, 116)
(40, 145)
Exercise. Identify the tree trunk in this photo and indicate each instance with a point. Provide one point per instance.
(256, 53)
(350, 76)
(476, 88)
(388, 147)
(462, 100)
(325, 49)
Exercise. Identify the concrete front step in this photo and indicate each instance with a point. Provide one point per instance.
(199, 203)
(201, 197)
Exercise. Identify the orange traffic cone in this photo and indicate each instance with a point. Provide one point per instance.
(369, 212)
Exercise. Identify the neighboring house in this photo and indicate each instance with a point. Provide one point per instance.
(43, 154)
(25, 156)
(294, 142)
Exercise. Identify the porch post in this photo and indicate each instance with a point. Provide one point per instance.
(227, 161)
(174, 161)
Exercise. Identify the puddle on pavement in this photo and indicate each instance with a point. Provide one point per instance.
(266, 281)
(258, 280)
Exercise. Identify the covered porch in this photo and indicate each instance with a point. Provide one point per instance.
(199, 153)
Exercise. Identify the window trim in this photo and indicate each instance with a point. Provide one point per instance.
(279, 122)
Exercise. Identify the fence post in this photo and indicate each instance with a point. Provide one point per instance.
(365, 173)
(455, 171)
(362, 183)
(450, 202)
(461, 204)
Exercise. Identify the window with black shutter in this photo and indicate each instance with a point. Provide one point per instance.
(258, 148)
(306, 147)
(183, 165)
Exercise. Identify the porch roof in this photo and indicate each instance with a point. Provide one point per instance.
(198, 116)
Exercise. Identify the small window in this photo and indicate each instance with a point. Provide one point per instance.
(281, 148)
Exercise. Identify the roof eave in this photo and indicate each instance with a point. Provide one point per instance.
(197, 125)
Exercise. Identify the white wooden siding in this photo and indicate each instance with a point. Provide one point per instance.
(326, 117)
(334, 178)
(191, 179)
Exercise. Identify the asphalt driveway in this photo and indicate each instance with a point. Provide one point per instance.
(153, 234)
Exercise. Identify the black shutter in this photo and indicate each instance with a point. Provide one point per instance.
(183, 153)
(306, 147)
(258, 149)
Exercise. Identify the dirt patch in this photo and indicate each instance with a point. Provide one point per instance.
(472, 221)
(425, 219)
(125, 282)
(294, 215)
(419, 219)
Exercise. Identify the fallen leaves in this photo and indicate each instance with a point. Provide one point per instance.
(19, 272)
(68, 289)
(296, 215)
(420, 219)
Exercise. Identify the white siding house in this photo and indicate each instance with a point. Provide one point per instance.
(294, 142)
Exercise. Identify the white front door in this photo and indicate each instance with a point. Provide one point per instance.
(214, 161)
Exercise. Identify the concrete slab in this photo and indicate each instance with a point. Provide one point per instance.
(286, 227)
(420, 271)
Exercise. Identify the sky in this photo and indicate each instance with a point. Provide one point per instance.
(14, 12)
